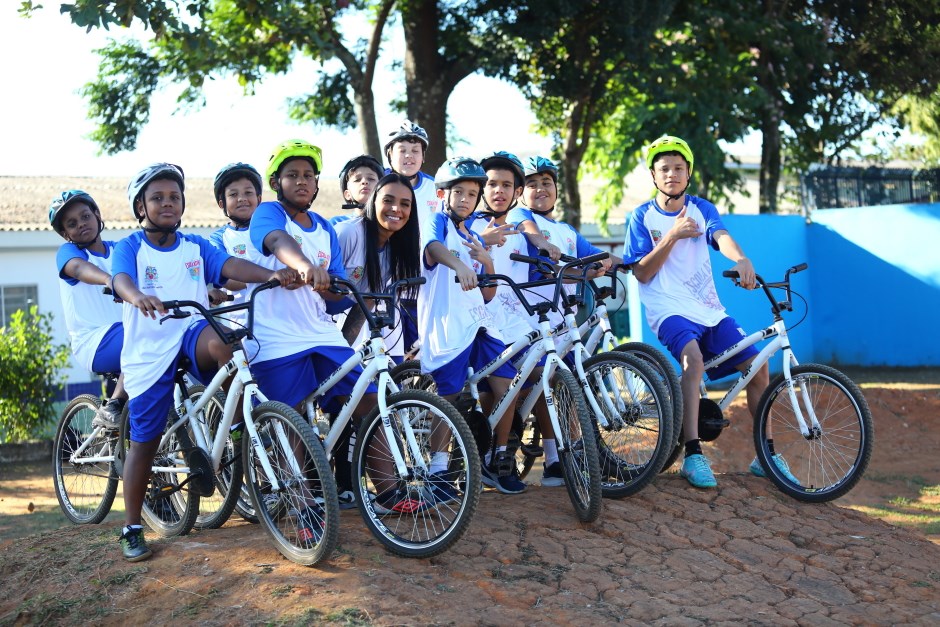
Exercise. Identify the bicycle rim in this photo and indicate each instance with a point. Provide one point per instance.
(423, 524)
(85, 488)
(831, 459)
(579, 457)
(169, 509)
(302, 515)
(637, 437)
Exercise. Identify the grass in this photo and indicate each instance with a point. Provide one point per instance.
(921, 513)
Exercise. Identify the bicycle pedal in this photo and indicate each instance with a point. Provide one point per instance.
(532, 450)
(503, 464)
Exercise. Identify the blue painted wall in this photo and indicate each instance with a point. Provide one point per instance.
(872, 286)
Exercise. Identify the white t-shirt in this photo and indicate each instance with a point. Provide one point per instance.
(426, 198)
(448, 317)
(237, 243)
(509, 315)
(684, 286)
(177, 273)
(89, 313)
(288, 322)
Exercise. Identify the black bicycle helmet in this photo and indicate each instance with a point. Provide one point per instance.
(61, 202)
(233, 172)
(367, 161)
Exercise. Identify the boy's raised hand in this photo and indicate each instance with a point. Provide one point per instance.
(478, 253)
(685, 226)
(496, 234)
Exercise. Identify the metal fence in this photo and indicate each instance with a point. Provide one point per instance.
(829, 187)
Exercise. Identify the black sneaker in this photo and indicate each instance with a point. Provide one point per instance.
(134, 547)
(501, 473)
(310, 524)
(440, 489)
(109, 415)
(552, 477)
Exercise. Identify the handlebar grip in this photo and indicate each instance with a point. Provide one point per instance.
(268, 285)
(799, 268)
(525, 258)
(730, 274)
(409, 282)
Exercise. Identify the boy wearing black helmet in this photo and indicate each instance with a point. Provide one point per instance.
(357, 180)
(93, 319)
(457, 328)
(153, 265)
(667, 242)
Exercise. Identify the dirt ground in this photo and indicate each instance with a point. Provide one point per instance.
(669, 555)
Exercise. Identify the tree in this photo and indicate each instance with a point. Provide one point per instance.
(30, 377)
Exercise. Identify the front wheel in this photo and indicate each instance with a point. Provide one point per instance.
(85, 483)
(829, 460)
(638, 434)
(297, 505)
(417, 514)
(577, 447)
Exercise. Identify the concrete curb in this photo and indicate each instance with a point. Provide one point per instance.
(39, 451)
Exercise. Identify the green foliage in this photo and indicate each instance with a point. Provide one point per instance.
(30, 376)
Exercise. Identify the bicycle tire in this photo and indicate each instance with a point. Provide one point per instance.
(639, 435)
(85, 490)
(175, 514)
(661, 364)
(308, 488)
(243, 505)
(408, 376)
(577, 453)
(215, 510)
(433, 525)
(830, 461)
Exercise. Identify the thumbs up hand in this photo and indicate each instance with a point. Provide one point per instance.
(685, 226)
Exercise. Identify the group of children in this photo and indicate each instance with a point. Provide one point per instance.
(464, 221)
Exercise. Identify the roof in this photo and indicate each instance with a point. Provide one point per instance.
(24, 201)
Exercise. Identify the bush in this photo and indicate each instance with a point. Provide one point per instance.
(31, 375)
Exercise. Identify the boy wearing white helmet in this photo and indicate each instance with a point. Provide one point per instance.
(405, 150)
(153, 265)
(667, 244)
(92, 318)
(457, 328)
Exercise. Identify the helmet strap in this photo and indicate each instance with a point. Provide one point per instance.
(671, 196)
(488, 211)
(352, 204)
(544, 213)
(84, 245)
(166, 231)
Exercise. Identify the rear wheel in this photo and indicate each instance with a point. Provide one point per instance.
(297, 505)
(637, 437)
(829, 460)
(85, 482)
(415, 514)
(577, 447)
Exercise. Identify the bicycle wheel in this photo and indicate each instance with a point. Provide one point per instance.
(828, 461)
(301, 515)
(85, 482)
(408, 376)
(638, 437)
(578, 446)
(657, 360)
(243, 505)
(170, 507)
(417, 514)
(215, 510)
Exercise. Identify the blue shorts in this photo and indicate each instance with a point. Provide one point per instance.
(675, 332)
(291, 379)
(108, 356)
(451, 377)
(148, 412)
(408, 317)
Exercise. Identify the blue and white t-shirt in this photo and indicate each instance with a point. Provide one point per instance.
(426, 198)
(237, 243)
(288, 322)
(180, 272)
(89, 313)
(684, 286)
(448, 317)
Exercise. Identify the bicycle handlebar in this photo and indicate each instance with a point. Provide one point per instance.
(775, 305)
(390, 295)
(229, 335)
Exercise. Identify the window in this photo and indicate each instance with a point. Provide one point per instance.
(14, 298)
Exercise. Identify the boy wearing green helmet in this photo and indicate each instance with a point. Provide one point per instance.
(667, 244)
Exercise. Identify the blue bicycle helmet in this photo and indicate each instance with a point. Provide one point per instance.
(459, 169)
(61, 202)
(537, 165)
(506, 160)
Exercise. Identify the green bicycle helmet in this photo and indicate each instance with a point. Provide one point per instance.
(506, 160)
(537, 165)
(669, 143)
(61, 202)
(290, 149)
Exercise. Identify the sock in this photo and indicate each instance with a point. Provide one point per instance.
(439, 462)
(770, 447)
(551, 451)
(693, 447)
(128, 528)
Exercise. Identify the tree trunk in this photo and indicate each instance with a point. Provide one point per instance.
(577, 136)
(424, 87)
(368, 129)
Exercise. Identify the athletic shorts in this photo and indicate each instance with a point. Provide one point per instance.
(148, 412)
(450, 377)
(291, 379)
(108, 356)
(675, 332)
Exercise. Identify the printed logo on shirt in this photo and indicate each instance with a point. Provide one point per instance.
(323, 260)
(456, 253)
(547, 235)
(357, 273)
(656, 235)
(151, 273)
(195, 269)
(239, 249)
(299, 240)
(571, 248)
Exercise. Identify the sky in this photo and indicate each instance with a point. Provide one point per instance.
(44, 127)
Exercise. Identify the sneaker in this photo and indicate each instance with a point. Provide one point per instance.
(552, 477)
(347, 500)
(397, 501)
(502, 476)
(134, 547)
(758, 471)
(310, 524)
(696, 470)
(109, 415)
(439, 489)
